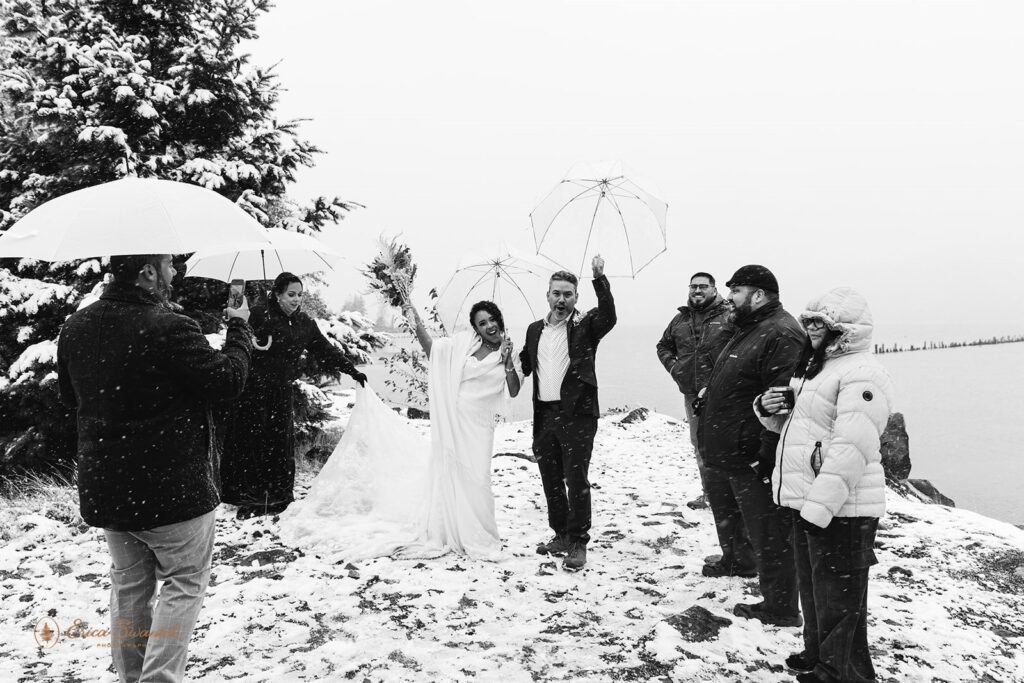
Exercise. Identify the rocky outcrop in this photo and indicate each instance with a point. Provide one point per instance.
(895, 447)
(923, 490)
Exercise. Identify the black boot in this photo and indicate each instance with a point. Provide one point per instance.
(558, 546)
(576, 558)
(799, 663)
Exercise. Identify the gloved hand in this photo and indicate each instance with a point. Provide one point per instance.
(360, 378)
(809, 527)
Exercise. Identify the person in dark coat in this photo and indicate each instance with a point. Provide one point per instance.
(559, 352)
(739, 453)
(141, 380)
(258, 467)
(688, 350)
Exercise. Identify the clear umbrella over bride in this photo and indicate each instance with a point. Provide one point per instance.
(514, 280)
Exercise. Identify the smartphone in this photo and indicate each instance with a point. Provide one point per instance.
(236, 293)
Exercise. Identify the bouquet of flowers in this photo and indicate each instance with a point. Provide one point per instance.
(391, 272)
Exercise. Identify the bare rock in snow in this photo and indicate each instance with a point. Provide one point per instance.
(697, 624)
(635, 415)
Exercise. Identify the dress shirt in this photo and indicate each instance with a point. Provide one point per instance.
(552, 359)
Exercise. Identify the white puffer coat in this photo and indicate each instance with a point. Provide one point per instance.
(842, 411)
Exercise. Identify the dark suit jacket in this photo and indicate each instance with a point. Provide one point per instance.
(579, 388)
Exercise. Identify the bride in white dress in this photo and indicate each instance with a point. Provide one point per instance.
(388, 491)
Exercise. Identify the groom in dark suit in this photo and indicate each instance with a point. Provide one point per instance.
(559, 352)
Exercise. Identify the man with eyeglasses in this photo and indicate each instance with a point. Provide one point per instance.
(688, 349)
(739, 453)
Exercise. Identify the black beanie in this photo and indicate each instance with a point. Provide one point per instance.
(754, 276)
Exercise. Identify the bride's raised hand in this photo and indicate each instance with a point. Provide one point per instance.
(506, 348)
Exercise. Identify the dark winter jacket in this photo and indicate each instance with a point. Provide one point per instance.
(691, 344)
(579, 388)
(292, 336)
(763, 353)
(142, 379)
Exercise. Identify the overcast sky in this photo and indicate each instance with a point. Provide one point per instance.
(873, 144)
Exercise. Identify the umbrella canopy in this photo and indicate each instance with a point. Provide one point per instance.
(600, 208)
(130, 216)
(512, 279)
(288, 251)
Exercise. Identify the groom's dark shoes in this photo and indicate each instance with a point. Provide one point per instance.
(558, 545)
(576, 558)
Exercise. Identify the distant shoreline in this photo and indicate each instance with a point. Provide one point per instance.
(931, 346)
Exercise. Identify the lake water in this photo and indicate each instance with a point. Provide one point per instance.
(962, 406)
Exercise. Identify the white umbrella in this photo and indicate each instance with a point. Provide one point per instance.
(515, 281)
(130, 216)
(600, 208)
(289, 251)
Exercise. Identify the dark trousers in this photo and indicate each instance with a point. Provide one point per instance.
(562, 445)
(832, 570)
(740, 500)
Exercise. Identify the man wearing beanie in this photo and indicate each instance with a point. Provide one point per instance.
(739, 453)
(688, 349)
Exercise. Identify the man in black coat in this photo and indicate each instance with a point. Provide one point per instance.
(142, 379)
(688, 349)
(739, 454)
(559, 352)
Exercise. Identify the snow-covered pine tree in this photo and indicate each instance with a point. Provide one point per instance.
(93, 89)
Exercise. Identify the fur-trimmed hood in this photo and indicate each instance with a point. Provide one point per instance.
(845, 310)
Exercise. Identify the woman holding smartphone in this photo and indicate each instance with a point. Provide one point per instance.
(258, 465)
(828, 471)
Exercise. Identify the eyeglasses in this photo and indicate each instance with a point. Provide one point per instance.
(694, 288)
(814, 323)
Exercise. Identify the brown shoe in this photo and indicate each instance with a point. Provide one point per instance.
(558, 546)
(576, 558)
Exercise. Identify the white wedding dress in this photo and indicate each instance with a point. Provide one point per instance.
(386, 490)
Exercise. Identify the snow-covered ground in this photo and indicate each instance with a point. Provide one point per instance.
(947, 599)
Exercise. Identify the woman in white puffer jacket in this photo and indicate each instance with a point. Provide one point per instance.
(828, 471)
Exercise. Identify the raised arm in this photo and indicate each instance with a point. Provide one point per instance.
(604, 319)
(215, 375)
(422, 336)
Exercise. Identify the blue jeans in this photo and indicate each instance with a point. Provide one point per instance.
(150, 643)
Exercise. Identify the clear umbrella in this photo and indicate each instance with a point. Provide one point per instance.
(601, 208)
(287, 251)
(512, 279)
(130, 216)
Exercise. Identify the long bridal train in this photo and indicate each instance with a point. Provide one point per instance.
(386, 490)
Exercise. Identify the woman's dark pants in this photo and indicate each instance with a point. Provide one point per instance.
(832, 573)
